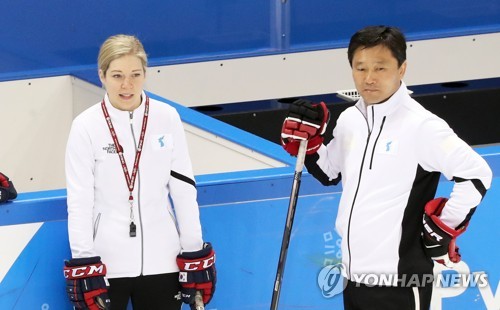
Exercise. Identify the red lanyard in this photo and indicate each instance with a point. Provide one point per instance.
(129, 178)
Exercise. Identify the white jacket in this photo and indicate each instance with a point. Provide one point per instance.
(389, 157)
(98, 206)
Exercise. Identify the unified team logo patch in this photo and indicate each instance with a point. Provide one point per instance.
(162, 141)
(387, 146)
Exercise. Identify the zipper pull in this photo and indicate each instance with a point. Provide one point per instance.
(133, 228)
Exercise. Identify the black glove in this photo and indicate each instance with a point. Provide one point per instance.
(305, 121)
(197, 273)
(86, 284)
(439, 239)
(7, 190)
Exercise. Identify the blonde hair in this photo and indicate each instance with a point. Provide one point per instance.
(117, 46)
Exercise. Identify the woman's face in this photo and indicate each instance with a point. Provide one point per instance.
(124, 82)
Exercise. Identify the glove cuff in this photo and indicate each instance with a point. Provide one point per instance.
(314, 144)
(433, 210)
(205, 251)
(76, 262)
(326, 117)
(435, 206)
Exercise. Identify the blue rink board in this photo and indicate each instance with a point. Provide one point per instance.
(247, 236)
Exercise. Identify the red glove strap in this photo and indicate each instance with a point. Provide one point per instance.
(90, 299)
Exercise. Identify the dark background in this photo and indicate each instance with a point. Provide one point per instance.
(471, 108)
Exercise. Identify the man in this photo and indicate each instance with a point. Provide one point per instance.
(389, 153)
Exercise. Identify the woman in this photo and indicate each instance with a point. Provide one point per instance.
(127, 168)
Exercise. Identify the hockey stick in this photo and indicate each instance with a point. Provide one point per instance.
(198, 298)
(198, 302)
(299, 165)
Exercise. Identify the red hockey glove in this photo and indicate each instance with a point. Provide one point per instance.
(7, 190)
(439, 239)
(86, 284)
(305, 121)
(197, 273)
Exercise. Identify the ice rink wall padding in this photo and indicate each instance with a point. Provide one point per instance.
(243, 215)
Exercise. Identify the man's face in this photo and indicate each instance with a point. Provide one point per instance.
(376, 73)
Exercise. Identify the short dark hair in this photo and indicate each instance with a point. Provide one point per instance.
(390, 37)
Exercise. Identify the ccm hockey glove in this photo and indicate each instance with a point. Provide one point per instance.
(305, 121)
(197, 273)
(86, 284)
(7, 190)
(439, 239)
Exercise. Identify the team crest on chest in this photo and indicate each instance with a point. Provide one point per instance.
(161, 141)
(387, 146)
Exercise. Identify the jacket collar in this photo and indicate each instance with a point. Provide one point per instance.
(390, 105)
(117, 113)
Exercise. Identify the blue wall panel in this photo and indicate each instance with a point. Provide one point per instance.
(331, 23)
(246, 234)
(60, 37)
(37, 35)
(36, 281)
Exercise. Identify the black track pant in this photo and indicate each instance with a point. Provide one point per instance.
(146, 292)
(361, 297)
